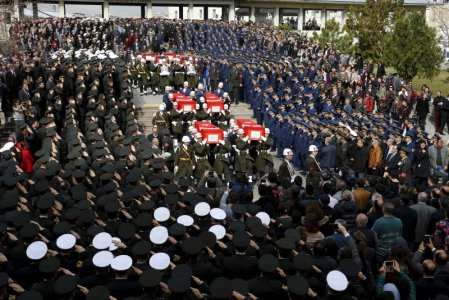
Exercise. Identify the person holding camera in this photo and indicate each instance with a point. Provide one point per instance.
(396, 276)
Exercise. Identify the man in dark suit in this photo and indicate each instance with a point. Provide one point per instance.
(286, 169)
(328, 155)
(12, 85)
(392, 159)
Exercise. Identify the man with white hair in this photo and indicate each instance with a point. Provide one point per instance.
(219, 91)
(264, 160)
(184, 159)
(243, 161)
(185, 90)
(161, 119)
(200, 92)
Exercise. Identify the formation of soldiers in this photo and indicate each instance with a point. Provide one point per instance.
(92, 208)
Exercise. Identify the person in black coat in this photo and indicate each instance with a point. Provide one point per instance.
(422, 166)
(408, 216)
(360, 158)
(347, 209)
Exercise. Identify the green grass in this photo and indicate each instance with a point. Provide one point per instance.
(439, 83)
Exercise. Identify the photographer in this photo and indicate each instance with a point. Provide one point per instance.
(214, 184)
(243, 186)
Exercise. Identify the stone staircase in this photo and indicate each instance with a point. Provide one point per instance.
(146, 114)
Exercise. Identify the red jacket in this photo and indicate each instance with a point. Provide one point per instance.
(369, 104)
(27, 161)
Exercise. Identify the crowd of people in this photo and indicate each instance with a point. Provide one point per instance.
(92, 208)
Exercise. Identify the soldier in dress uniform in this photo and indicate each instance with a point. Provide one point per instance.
(179, 74)
(221, 119)
(191, 74)
(264, 160)
(143, 76)
(176, 121)
(164, 75)
(201, 150)
(184, 159)
(312, 167)
(161, 119)
(222, 152)
(243, 161)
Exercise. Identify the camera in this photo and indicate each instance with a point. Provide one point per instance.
(426, 239)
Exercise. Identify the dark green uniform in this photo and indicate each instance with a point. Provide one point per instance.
(264, 158)
(179, 72)
(164, 77)
(143, 75)
(191, 76)
(162, 121)
(313, 171)
(184, 161)
(154, 76)
(176, 123)
(243, 161)
(221, 163)
(202, 163)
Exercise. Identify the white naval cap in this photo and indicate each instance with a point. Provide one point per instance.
(218, 214)
(36, 250)
(102, 241)
(160, 261)
(218, 230)
(337, 281)
(264, 217)
(161, 214)
(102, 259)
(185, 220)
(121, 263)
(159, 235)
(66, 241)
(202, 209)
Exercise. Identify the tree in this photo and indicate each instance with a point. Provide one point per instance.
(370, 25)
(439, 18)
(333, 34)
(412, 47)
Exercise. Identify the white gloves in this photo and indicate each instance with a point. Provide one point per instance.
(222, 142)
(245, 139)
(205, 141)
(174, 123)
(193, 167)
(175, 170)
(263, 138)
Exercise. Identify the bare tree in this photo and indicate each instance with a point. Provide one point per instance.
(438, 17)
(8, 42)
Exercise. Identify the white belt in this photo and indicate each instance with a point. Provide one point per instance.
(222, 154)
(190, 73)
(179, 72)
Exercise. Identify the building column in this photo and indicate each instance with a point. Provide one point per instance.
(149, 10)
(190, 11)
(231, 12)
(276, 16)
(35, 11)
(252, 14)
(323, 18)
(61, 9)
(300, 18)
(344, 13)
(106, 9)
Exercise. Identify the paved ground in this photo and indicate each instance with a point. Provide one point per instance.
(150, 103)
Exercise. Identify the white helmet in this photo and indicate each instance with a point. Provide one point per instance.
(185, 139)
(313, 148)
(161, 106)
(287, 151)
